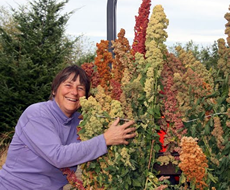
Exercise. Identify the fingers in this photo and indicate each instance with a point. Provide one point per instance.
(125, 142)
(130, 130)
(115, 123)
(129, 136)
(127, 124)
(118, 134)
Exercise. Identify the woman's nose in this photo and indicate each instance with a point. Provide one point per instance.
(74, 91)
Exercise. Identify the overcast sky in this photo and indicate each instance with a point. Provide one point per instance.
(199, 20)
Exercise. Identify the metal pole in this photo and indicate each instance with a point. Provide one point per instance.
(111, 21)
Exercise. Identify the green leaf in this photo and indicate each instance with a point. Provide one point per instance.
(82, 131)
(106, 114)
(136, 183)
(201, 115)
(157, 111)
(157, 148)
(150, 111)
(92, 165)
(124, 171)
(182, 178)
(147, 66)
(193, 185)
(211, 122)
(193, 130)
(128, 180)
(211, 177)
(207, 129)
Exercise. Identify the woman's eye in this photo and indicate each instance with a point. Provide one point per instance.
(80, 88)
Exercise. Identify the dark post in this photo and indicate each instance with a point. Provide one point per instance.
(111, 21)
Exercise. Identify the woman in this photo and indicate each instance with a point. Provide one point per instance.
(45, 138)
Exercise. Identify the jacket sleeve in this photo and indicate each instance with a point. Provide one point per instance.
(41, 137)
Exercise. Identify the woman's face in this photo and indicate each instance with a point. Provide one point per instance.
(68, 94)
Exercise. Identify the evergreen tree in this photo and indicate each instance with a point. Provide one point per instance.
(31, 56)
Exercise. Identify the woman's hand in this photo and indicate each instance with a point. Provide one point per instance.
(117, 134)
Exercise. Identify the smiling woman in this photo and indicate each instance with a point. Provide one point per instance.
(69, 85)
(68, 94)
(46, 139)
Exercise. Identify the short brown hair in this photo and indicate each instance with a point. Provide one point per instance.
(63, 75)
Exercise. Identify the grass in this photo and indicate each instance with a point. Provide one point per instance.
(3, 156)
(5, 139)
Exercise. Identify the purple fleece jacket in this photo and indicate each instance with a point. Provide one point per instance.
(45, 140)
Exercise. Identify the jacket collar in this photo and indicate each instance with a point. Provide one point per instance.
(61, 116)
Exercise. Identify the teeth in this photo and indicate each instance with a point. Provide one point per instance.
(70, 99)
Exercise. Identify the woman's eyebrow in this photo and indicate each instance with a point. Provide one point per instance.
(72, 81)
(82, 85)
(68, 81)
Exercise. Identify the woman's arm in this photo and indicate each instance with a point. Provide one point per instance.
(42, 138)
